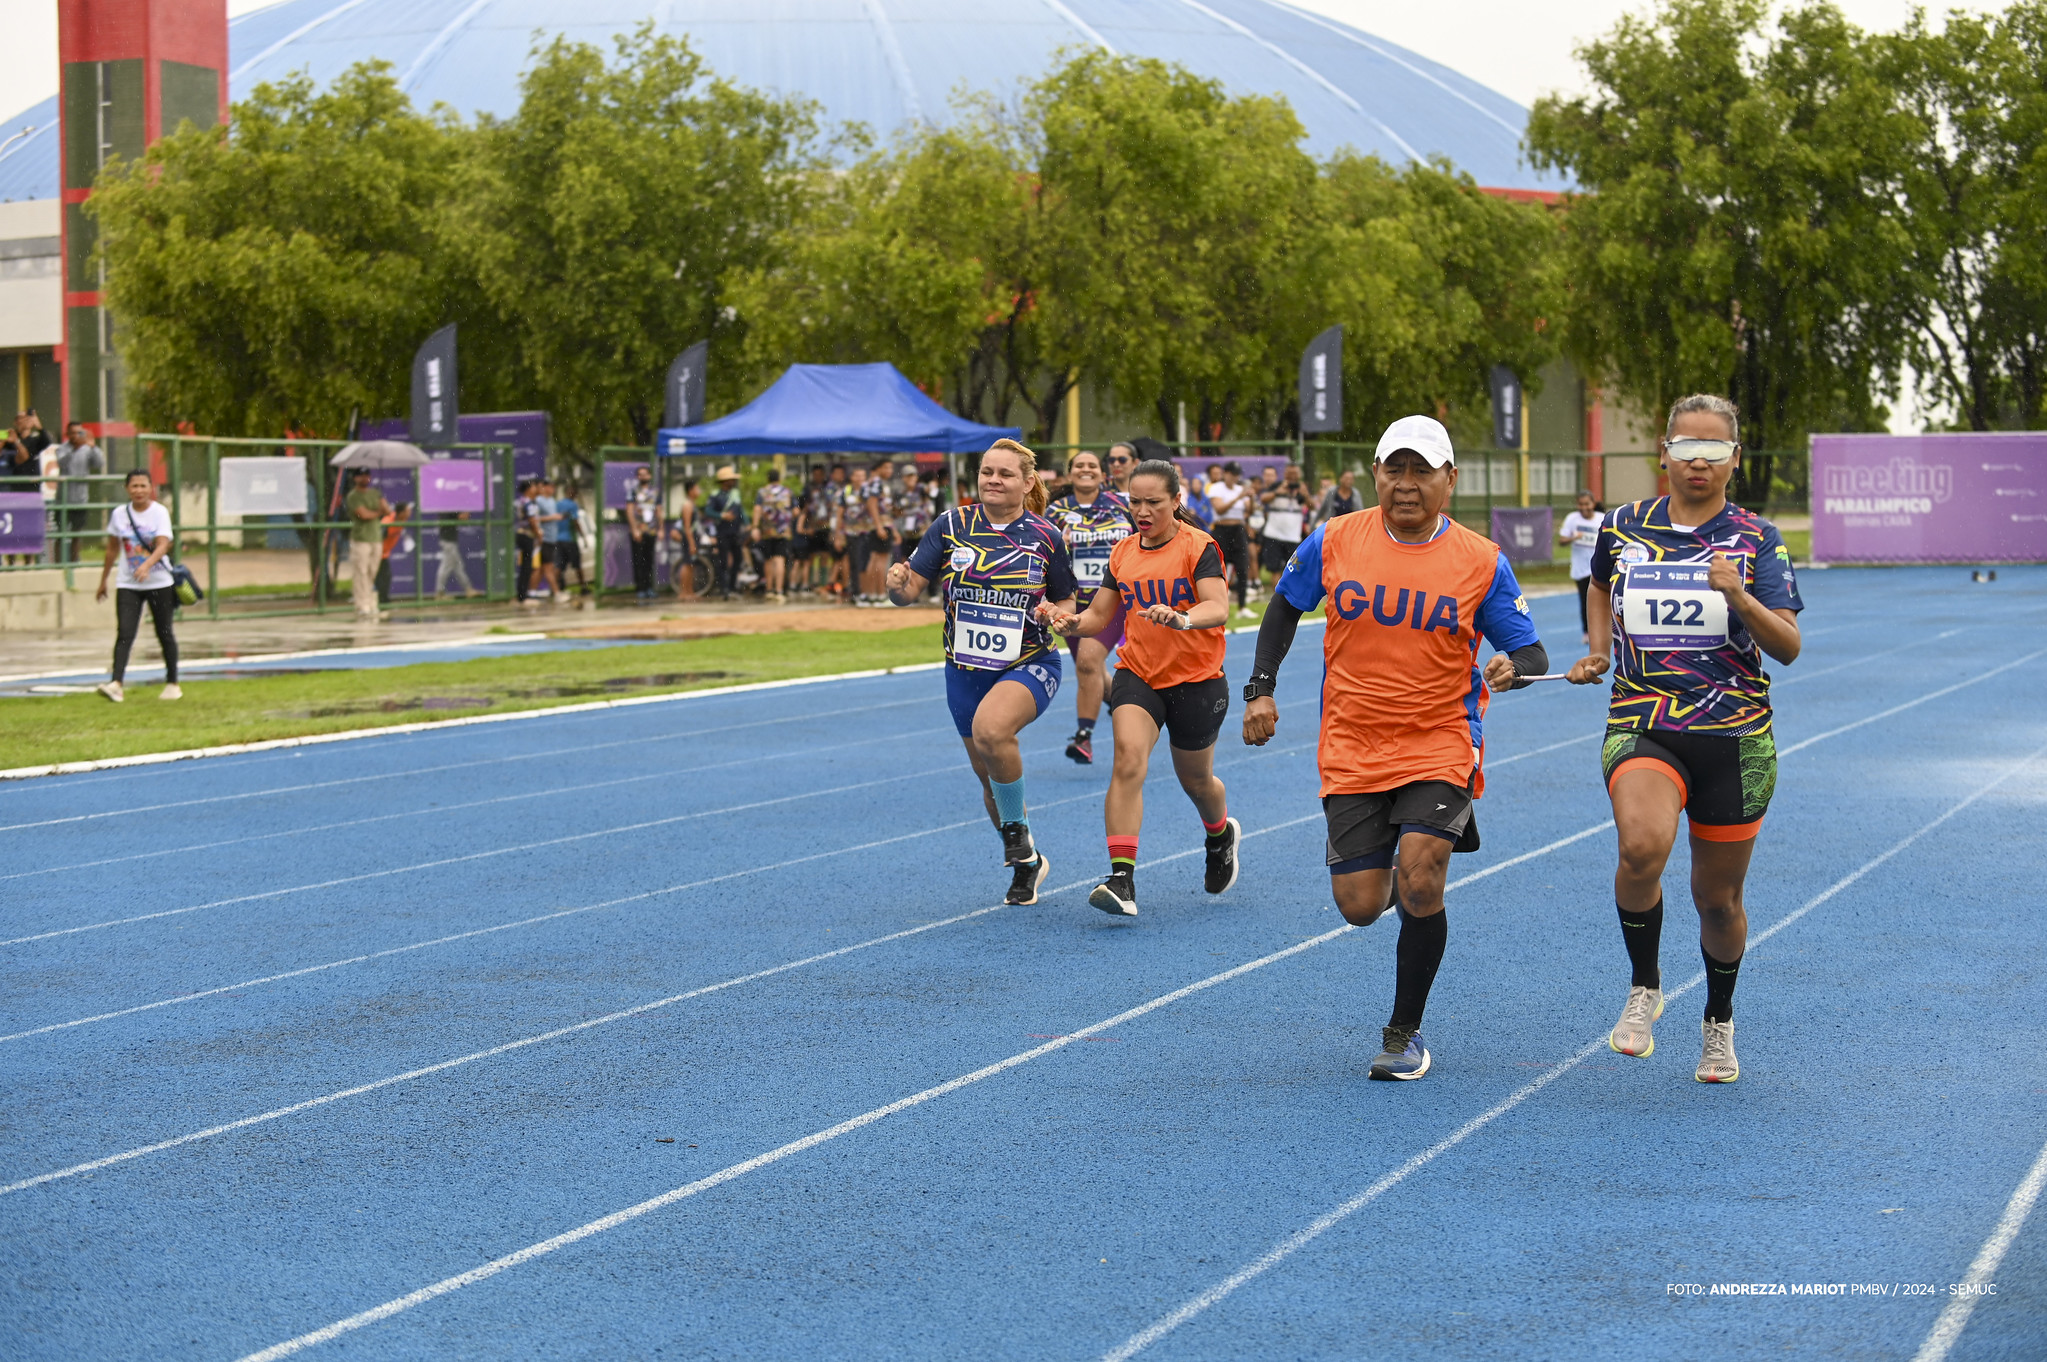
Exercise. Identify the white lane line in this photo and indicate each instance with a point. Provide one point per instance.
(1955, 1318)
(585, 1025)
(1538, 751)
(434, 726)
(436, 810)
(1287, 1247)
(451, 766)
(773, 1156)
(1910, 704)
(478, 855)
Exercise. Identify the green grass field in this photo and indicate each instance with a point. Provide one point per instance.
(42, 730)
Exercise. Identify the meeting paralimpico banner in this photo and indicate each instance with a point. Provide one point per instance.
(1321, 383)
(434, 414)
(1964, 497)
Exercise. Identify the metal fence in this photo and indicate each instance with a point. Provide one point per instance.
(75, 532)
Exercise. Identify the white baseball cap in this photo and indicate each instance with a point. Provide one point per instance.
(1422, 434)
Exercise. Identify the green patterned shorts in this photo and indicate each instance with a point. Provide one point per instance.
(1726, 781)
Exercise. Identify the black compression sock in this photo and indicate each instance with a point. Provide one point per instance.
(1642, 933)
(1087, 726)
(1419, 953)
(1720, 979)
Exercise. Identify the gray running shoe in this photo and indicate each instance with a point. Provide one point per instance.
(1717, 1063)
(1631, 1035)
(1404, 1056)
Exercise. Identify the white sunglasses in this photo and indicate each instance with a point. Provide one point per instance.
(1708, 451)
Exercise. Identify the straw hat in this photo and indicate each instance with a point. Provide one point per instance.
(727, 472)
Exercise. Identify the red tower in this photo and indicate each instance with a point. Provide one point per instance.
(132, 70)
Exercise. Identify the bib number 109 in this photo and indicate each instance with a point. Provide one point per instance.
(987, 637)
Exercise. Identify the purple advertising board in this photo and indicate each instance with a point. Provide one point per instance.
(1524, 533)
(1950, 498)
(618, 551)
(524, 431)
(21, 522)
(451, 485)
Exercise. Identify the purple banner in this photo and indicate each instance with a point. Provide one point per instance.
(617, 555)
(524, 431)
(451, 485)
(1954, 498)
(1524, 533)
(21, 522)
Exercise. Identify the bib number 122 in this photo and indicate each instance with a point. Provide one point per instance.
(1671, 611)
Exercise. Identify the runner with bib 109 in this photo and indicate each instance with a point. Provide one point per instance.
(1094, 519)
(1164, 587)
(1693, 591)
(999, 559)
(1402, 751)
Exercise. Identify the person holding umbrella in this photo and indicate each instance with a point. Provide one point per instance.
(365, 510)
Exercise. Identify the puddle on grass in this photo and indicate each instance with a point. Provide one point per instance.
(609, 686)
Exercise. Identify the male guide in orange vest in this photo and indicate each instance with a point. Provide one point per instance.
(1410, 593)
(1166, 583)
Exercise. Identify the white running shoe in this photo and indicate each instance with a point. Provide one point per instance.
(1631, 1034)
(171, 692)
(1717, 1063)
(112, 690)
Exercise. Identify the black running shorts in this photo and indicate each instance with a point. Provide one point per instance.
(777, 547)
(1725, 782)
(1191, 713)
(1363, 828)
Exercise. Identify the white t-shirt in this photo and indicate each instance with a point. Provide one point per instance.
(1583, 532)
(1283, 516)
(151, 525)
(1229, 502)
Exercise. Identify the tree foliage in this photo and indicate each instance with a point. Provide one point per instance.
(278, 274)
(1734, 229)
(602, 221)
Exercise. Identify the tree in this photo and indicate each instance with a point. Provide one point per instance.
(917, 255)
(602, 220)
(1970, 197)
(279, 272)
(1733, 229)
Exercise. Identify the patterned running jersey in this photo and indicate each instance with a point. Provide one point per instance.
(992, 582)
(1092, 531)
(777, 510)
(1673, 669)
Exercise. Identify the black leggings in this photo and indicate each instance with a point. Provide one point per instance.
(1583, 584)
(1231, 538)
(128, 604)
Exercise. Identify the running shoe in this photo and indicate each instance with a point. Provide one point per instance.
(1631, 1035)
(1117, 895)
(1017, 846)
(171, 692)
(1024, 882)
(1221, 873)
(1717, 1063)
(1081, 747)
(112, 690)
(1404, 1056)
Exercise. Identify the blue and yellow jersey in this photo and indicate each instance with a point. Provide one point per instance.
(992, 580)
(1682, 660)
(1092, 531)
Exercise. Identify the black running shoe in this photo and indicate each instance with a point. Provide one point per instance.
(1222, 859)
(1081, 747)
(1117, 895)
(1024, 881)
(1017, 846)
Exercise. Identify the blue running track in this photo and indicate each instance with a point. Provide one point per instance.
(694, 1030)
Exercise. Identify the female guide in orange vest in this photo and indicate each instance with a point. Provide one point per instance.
(1167, 582)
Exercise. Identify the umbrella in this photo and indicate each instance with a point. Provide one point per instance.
(380, 454)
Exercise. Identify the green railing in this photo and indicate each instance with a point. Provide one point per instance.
(193, 463)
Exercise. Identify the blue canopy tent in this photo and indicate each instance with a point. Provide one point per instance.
(835, 409)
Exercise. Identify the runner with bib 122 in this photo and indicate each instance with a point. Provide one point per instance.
(1095, 518)
(997, 561)
(1689, 592)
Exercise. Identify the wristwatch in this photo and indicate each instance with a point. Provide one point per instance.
(1258, 686)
